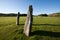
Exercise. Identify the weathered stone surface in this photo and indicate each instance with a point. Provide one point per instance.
(17, 19)
(28, 23)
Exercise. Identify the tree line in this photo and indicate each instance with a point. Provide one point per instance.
(12, 14)
(45, 15)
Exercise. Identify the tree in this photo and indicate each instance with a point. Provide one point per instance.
(43, 15)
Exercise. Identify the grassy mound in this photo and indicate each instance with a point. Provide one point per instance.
(54, 15)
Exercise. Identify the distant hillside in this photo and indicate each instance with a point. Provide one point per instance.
(54, 15)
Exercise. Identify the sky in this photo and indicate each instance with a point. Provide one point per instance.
(39, 6)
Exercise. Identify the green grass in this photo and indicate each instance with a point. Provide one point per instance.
(43, 28)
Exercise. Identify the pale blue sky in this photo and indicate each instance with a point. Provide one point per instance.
(39, 6)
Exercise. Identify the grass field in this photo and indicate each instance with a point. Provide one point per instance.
(44, 28)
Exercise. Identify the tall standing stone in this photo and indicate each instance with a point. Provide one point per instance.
(17, 19)
(28, 23)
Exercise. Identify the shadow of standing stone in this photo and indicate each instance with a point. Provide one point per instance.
(28, 23)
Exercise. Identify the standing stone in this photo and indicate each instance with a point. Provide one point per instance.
(17, 19)
(28, 23)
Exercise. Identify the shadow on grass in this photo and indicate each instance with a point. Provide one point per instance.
(46, 24)
(21, 24)
(43, 24)
(46, 33)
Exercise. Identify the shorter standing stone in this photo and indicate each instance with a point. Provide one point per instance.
(17, 19)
